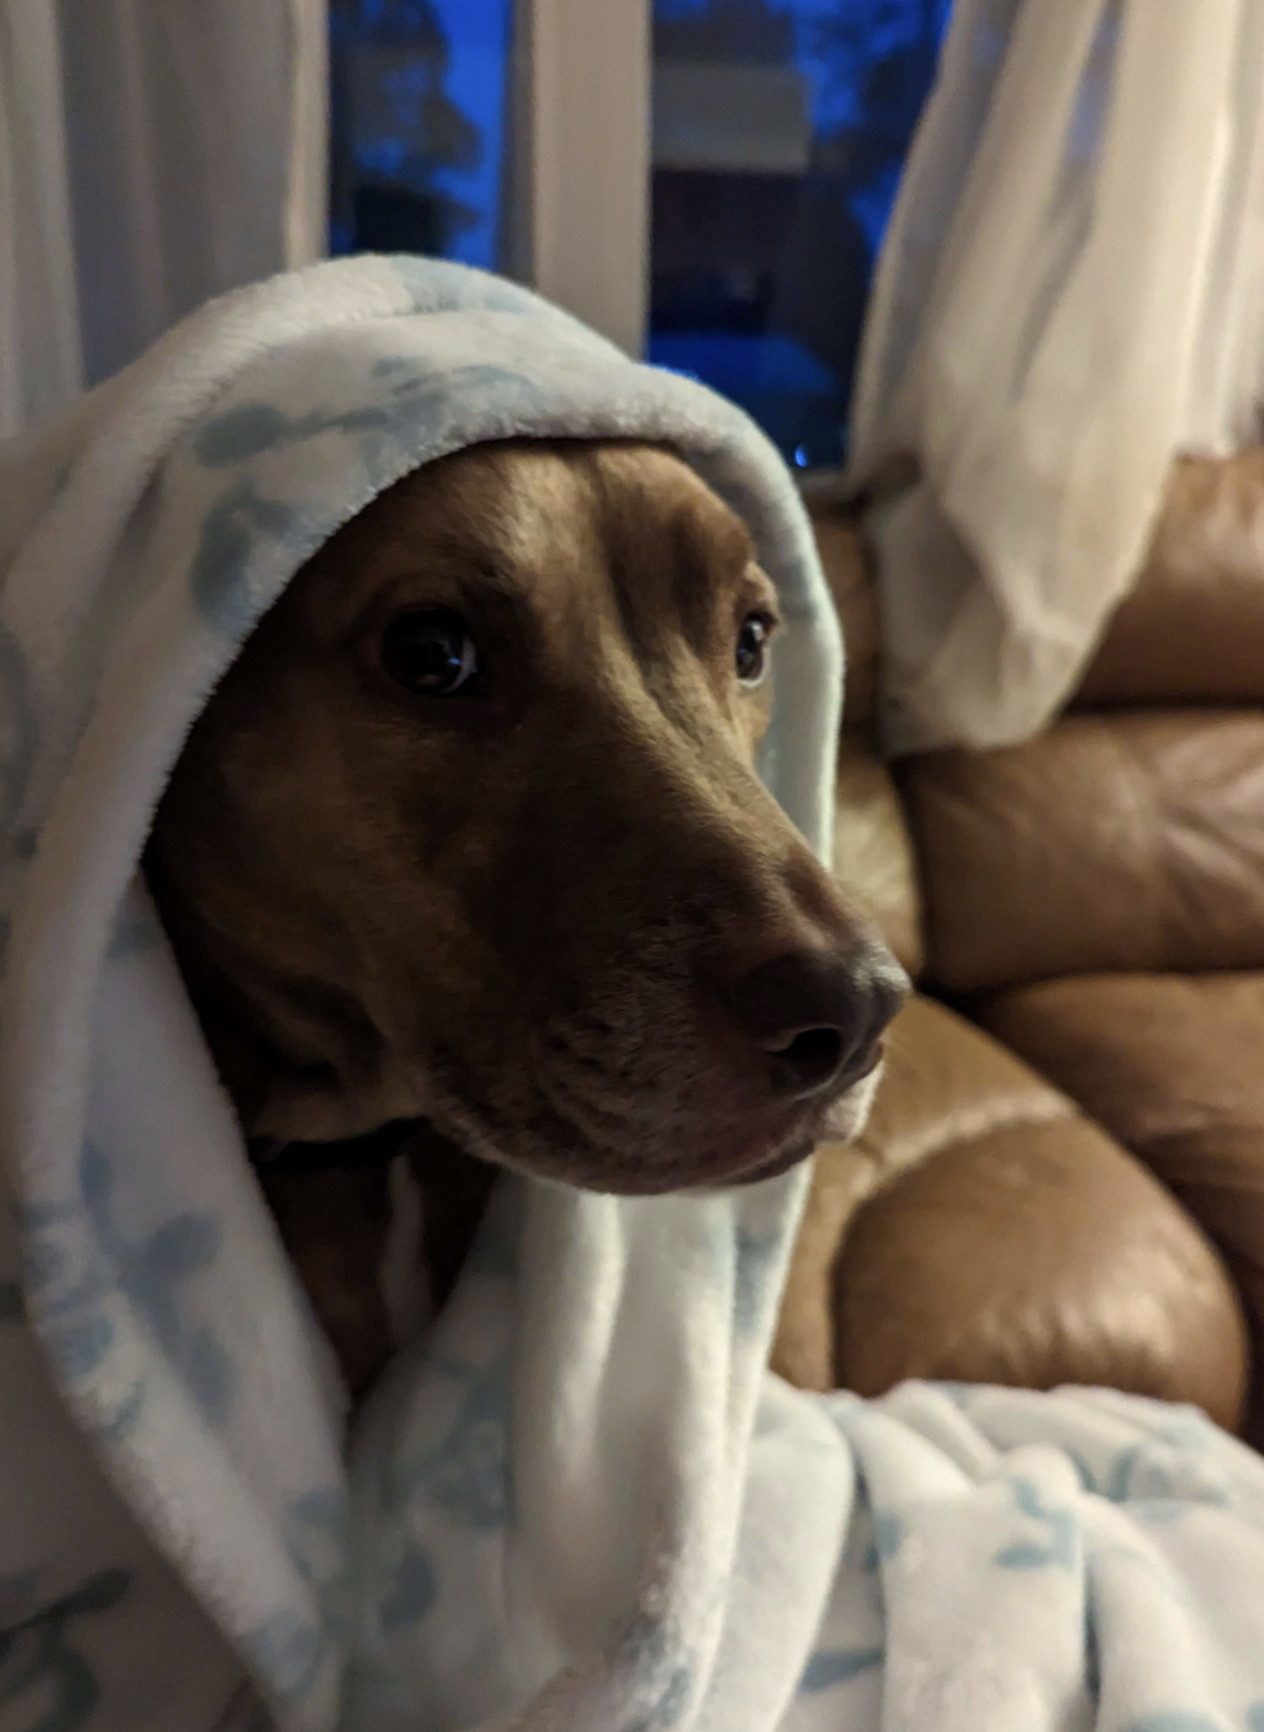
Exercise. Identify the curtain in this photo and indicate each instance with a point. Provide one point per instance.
(1071, 291)
(152, 153)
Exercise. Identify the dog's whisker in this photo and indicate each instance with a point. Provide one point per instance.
(599, 1059)
(593, 1121)
(634, 1095)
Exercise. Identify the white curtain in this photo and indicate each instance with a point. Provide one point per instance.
(152, 153)
(1071, 291)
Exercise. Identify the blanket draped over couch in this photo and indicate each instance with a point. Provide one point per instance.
(580, 1501)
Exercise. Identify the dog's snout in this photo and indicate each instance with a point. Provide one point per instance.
(817, 1015)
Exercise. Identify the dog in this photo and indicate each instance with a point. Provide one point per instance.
(467, 866)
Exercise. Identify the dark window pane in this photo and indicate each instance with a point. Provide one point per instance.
(780, 128)
(417, 94)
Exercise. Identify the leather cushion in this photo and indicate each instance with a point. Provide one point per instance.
(845, 562)
(1038, 1255)
(1129, 842)
(873, 851)
(981, 1228)
(943, 1082)
(1193, 624)
(1174, 1067)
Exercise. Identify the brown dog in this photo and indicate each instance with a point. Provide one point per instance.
(470, 834)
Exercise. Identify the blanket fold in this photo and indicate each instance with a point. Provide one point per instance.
(580, 1501)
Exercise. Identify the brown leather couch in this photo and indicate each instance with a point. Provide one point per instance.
(1063, 1178)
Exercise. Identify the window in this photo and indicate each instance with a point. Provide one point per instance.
(779, 131)
(418, 98)
(777, 135)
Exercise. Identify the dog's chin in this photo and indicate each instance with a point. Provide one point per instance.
(747, 1157)
(838, 1122)
(747, 1153)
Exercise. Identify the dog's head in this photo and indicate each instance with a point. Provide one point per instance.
(471, 832)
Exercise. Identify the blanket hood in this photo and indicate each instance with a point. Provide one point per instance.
(140, 539)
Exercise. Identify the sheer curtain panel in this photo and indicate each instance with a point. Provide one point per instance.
(152, 153)
(1071, 292)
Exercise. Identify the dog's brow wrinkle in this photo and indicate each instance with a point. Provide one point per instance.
(498, 578)
(481, 568)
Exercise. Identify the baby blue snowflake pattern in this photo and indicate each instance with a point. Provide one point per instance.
(834, 1666)
(220, 573)
(412, 398)
(654, 1648)
(383, 428)
(670, 1707)
(318, 1538)
(888, 1537)
(466, 1473)
(291, 1650)
(437, 286)
(149, 1271)
(1160, 1477)
(756, 1256)
(43, 1675)
(1059, 1550)
(1175, 1459)
(412, 1591)
(288, 1651)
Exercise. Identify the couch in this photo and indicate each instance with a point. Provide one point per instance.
(1063, 1176)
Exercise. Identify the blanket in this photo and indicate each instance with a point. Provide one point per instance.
(579, 1501)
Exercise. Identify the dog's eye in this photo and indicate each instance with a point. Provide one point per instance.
(430, 653)
(752, 648)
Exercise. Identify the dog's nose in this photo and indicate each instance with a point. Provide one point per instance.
(818, 1014)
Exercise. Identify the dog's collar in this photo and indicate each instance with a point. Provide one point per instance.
(373, 1149)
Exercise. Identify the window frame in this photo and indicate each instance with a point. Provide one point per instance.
(579, 159)
(578, 173)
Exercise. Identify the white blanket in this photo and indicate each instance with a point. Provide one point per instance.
(580, 1501)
